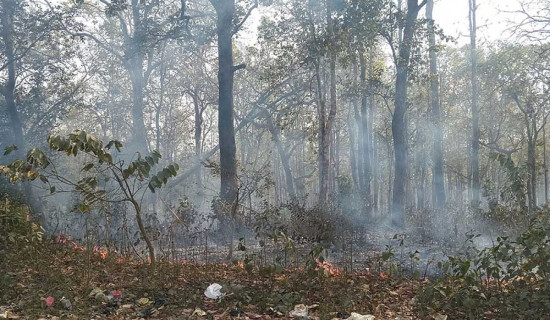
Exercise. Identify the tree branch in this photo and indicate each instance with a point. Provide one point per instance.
(254, 6)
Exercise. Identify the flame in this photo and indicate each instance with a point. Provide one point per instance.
(240, 264)
(328, 268)
(102, 252)
(383, 275)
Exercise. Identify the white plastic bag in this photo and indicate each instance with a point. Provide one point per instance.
(357, 316)
(300, 311)
(213, 291)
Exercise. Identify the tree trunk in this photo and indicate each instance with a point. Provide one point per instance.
(399, 122)
(228, 163)
(325, 123)
(365, 161)
(531, 164)
(474, 161)
(9, 89)
(371, 134)
(135, 69)
(159, 108)
(437, 153)
(198, 136)
(285, 159)
(322, 138)
(545, 167)
(353, 151)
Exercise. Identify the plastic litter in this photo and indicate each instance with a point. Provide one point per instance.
(94, 292)
(101, 297)
(300, 311)
(143, 301)
(8, 315)
(49, 301)
(117, 294)
(357, 316)
(198, 312)
(66, 303)
(213, 291)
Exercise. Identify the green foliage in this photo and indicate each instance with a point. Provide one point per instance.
(513, 192)
(510, 276)
(103, 162)
(16, 227)
(129, 180)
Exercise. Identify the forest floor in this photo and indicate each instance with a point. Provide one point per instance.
(31, 276)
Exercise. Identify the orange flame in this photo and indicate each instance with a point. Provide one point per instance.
(328, 268)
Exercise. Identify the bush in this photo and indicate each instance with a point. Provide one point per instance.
(16, 226)
(511, 277)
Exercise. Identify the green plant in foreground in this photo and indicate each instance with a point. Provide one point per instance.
(511, 276)
(126, 182)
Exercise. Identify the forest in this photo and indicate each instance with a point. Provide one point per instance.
(274, 159)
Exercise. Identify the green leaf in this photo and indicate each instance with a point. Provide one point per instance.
(10, 149)
(84, 208)
(88, 167)
(110, 144)
(173, 169)
(118, 145)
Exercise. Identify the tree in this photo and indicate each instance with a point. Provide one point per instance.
(399, 121)
(524, 80)
(474, 157)
(133, 180)
(34, 73)
(141, 30)
(225, 12)
(437, 152)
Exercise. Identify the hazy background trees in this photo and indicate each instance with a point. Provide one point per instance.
(266, 103)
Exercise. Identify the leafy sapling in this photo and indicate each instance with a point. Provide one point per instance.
(130, 180)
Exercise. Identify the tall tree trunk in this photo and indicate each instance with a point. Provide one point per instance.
(160, 106)
(229, 185)
(135, 69)
(399, 122)
(285, 159)
(365, 161)
(474, 161)
(198, 135)
(228, 163)
(371, 133)
(326, 137)
(545, 167)
(353, 151)
(8, 90)
(437, 153)
(323, 157)
(531, 163)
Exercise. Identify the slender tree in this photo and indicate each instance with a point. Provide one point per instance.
(437, 152)
(474, 155)
(399, 121)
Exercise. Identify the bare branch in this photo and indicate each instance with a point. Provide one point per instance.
(238, 27)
